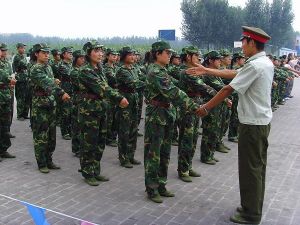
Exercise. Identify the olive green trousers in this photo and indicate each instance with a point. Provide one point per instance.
(252, 156)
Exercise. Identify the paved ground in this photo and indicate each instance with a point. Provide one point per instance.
(209, 200)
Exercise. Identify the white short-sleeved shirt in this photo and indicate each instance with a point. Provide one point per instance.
(253, 83)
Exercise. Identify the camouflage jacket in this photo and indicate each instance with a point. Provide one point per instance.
(160, 88)
(128, 80)
(74, 75)
(5, 95)
(195, 85)
(174, 71)
(141, 75)
(64, 70)
(44, 89)
(110, 73)
(95, 91)
(19, 66)
(214, 82)
(54, 65)
(7, 66)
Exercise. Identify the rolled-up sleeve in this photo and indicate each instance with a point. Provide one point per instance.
(245, 77)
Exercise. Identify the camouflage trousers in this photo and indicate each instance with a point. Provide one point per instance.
(111, 123)
(5, 111)
(44, 132)
(234, 120)
(12, 102)
(127, 132)
(58, 111)
(140, 106)
(66, 118)
(274, 96)
(188, 136)
(225, 118)
(157, 150)
(92, 142)
(176, 126)
(281, 91)
(75, 129)
(23, 99)
(210, 134)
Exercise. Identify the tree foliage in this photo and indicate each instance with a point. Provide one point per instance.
(214, 23)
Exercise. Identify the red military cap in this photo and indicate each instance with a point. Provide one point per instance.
(255, 33)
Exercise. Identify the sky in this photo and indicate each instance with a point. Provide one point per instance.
(98, 18)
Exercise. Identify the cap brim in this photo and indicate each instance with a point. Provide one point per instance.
(46, 49)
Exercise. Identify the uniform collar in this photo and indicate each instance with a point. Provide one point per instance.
(257, 55)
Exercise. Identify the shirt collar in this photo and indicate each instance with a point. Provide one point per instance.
(257, 55)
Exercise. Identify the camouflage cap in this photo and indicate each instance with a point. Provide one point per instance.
(160, 46)
(111, 51)
(126, 50)
(275, 57)
(3, 47)
(175, 55)
(55, 52)
(67, 49)
(212, 55)
(238, 55)
(78, 53)
(224, 52)
(190, 50)
(41, 47)
(137, 52)
(93, 44)
(19, 45)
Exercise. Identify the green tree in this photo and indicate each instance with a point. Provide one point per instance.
(211, 23)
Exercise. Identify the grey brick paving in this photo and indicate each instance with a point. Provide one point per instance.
(208, 200)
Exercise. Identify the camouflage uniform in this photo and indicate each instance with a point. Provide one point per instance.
(5, 109)
(54, 66)
(64, 71)
(281, 76)
(196, 89)
(75, 99)
(159, 93)
(43, 110)
(142, 77)
(234, 120)
(174, 71)
(8, 68)
(212, 133)
(21, 88)
(93, 91)
(110, 73)
(128, 84)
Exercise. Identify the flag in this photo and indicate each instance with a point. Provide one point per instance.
(37, 214)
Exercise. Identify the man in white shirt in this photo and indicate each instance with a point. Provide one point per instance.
(253, 84)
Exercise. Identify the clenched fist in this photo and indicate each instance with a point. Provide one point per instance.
(123, 103)
(66, 97)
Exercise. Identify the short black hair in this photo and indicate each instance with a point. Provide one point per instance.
(154, 52)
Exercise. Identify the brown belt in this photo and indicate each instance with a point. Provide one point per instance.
(3, 86)
(41, 93)
(165, 105)
(90, 96)
(126, 90)
(193, 94)
(66, 79)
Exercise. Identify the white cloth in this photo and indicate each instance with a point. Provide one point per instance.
(253, 84)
